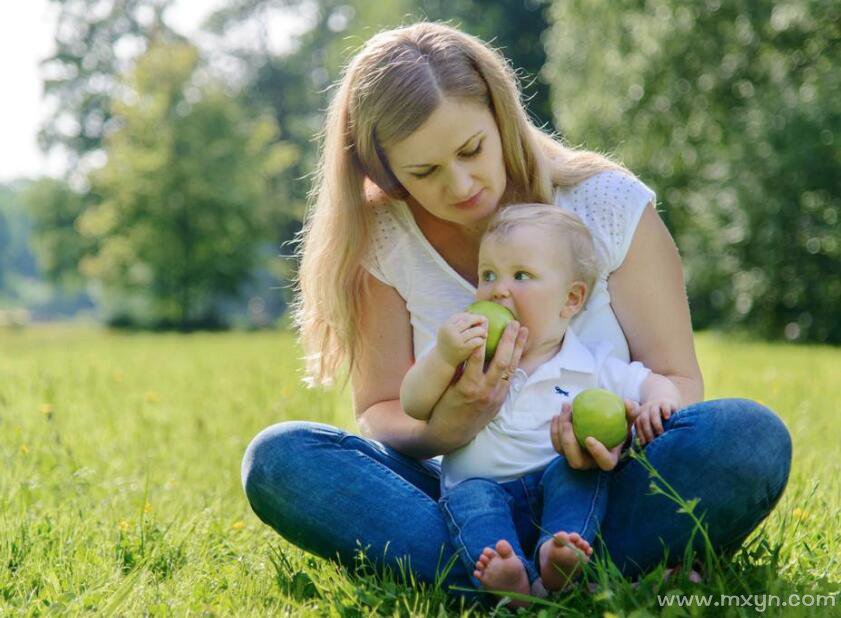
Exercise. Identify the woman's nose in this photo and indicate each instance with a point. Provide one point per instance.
(460, 184)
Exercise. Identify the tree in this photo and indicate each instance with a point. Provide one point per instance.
(5, 243)
(517, 28)
(731, 111)
(17, 263)
(185, 194)
(96, 41)
(53, 208)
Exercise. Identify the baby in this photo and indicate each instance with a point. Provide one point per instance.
(538, 261)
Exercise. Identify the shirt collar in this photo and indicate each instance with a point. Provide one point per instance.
(573, 356)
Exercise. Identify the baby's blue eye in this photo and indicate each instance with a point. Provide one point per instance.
(489, 276)
(520, 275)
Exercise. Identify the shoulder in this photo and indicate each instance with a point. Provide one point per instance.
(618, 190)
(386, 238)
(610, 203)
(385, 224)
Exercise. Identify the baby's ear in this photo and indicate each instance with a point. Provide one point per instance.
(576, 296)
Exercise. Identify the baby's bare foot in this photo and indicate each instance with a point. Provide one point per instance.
(501, 569)
(560, 558)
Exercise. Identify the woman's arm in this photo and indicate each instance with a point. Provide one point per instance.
(465, 407)
(648, 296)
(383, 361)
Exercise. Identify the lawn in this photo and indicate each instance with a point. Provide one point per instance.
(120, 482)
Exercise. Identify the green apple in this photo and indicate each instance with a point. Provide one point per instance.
(498, 318)
(601, 414)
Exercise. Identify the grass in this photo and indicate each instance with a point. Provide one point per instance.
(120, 485)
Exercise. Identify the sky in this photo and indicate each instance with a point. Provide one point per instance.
(26, 37)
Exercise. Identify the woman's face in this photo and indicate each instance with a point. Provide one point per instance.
(452, 164)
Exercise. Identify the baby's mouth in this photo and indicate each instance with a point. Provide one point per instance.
(512, 310)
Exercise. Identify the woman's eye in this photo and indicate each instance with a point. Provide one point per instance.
(424, 175)
(463, 155)
(474, 152)
(521, 275)
(488, 276)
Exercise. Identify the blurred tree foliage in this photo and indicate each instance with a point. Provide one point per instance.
(17, 263)
(23, 284)
(96, 41)
(731, 111)
(185, 205)
(517, 28)
(53, 208)
(5, 243)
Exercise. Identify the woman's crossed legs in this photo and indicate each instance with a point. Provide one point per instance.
(332, 493)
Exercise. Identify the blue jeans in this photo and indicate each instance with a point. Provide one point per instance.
(332, 493)
(526, 511)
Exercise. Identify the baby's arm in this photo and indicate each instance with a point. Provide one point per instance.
(432, 373)
(659, 398)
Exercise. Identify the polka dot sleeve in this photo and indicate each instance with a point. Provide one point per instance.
(611, 204)
(381, 245)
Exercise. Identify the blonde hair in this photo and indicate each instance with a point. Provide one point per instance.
(389, 88)
(567, 228)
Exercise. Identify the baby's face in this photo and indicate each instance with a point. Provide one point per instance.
(529, 273)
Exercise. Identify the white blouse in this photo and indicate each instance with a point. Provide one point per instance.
(610, 204)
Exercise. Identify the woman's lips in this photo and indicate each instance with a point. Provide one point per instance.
(471, 201)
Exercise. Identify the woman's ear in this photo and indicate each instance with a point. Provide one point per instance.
(374, 196)
(576, 296)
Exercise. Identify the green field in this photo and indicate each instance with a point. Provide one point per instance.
(120, 481)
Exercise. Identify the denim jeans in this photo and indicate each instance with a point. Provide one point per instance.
(332, 493)
(526, 511)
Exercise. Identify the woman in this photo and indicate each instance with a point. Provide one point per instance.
(425, 138)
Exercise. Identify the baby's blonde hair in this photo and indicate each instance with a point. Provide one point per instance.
(565, 226)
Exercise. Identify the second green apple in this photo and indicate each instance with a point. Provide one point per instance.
(599, 413)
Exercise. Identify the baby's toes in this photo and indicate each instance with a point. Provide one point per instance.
(584, 546)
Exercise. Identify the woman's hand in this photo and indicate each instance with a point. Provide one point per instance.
(474, 399)
(597, 454)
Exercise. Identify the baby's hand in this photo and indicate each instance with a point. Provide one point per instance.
(460, 335)
(649, 421)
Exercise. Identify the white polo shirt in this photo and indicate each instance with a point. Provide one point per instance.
(517, 441)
